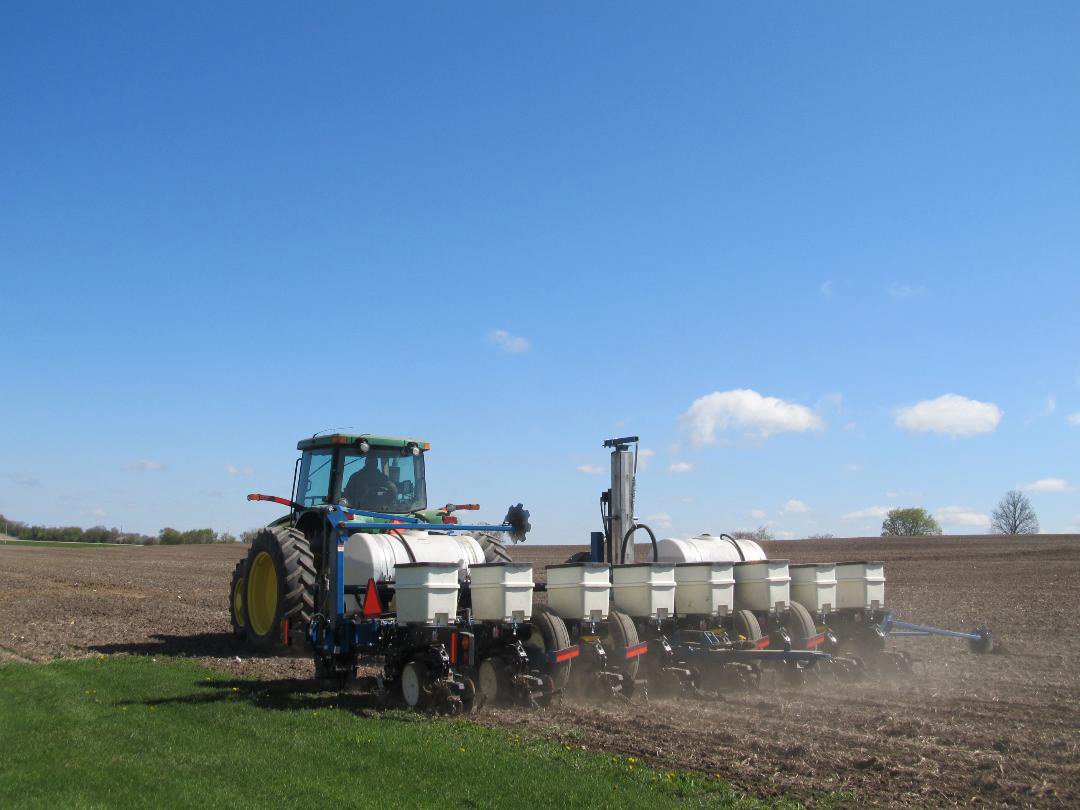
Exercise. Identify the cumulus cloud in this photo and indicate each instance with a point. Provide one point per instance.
(232, 469)
(757, 514)
(1048, 485)
(146, 465)
(901, 291)
(877, 512)
(643, 456)
(746, 409)
(795, 505)
(1050, 405)
(661, 520)
(962, 516)
(826, 289)
(511, 344)
(681, 467)
(951, 414)
(590, 469)
(1074, 419)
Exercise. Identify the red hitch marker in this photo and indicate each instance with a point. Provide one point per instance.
(761, 644)
(637, 649)
(815, 641)
(254, 496)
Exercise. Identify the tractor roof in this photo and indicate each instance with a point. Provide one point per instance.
(332, 439)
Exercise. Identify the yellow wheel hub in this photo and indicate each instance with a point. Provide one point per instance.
(238, 602)
(262, 593)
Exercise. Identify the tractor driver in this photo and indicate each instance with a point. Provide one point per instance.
(369, 485)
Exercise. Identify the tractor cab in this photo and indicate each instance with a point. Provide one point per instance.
(362, 471)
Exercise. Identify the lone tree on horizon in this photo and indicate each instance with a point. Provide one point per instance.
(910, 522)
(1014, 515)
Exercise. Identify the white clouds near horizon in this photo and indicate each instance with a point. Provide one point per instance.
(951, 414)
(745, 409)
(1048, 485)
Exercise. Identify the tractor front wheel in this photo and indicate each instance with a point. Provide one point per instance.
(279, 586)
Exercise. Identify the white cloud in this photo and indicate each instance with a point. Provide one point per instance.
(661, 520)
(146, 465)
(511, 344)
(962, 516)
(901, 291)
(854, 467)
(98, 512)
(1050, 405)
(643, 456)
(232, 469)
(826, 289)
(951, 414)
(590, 469)
(745, 408)
(869, 512)
(757, 514)
(1048, 485)
(24, 480)
(1074, 419)
(784, 535)
(794, 505)
(681, 467)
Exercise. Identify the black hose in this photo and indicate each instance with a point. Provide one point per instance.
(735, 543)
(626, 539)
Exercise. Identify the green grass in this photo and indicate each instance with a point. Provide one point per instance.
(58, 544)
(129, 731)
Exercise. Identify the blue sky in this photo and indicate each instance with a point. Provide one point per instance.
(771, 241)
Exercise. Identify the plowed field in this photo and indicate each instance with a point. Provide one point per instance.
(1001, 729)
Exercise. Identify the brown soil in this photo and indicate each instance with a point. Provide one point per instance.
(1001, 729)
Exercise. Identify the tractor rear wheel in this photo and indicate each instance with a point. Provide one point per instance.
(494, 550)
(548, 635)
(799, 625)
(279, 586)
(621, 635)
(237, 600)
(746, 626)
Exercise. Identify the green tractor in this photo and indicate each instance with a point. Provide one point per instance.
(283, 582)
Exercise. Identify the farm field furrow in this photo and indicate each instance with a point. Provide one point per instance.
(998, 729)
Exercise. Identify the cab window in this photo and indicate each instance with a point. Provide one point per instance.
(383, 480)
(313, 484)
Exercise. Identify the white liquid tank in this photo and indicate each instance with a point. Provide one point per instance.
(370, 555)
(707, 548)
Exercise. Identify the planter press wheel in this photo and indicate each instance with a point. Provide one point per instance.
(799, 625)
(548, 634)
(621, 634)
(492, 683)
(746, 625)
(414, 688)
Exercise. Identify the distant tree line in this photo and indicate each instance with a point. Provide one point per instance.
(1013, 515)
(100, 534)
